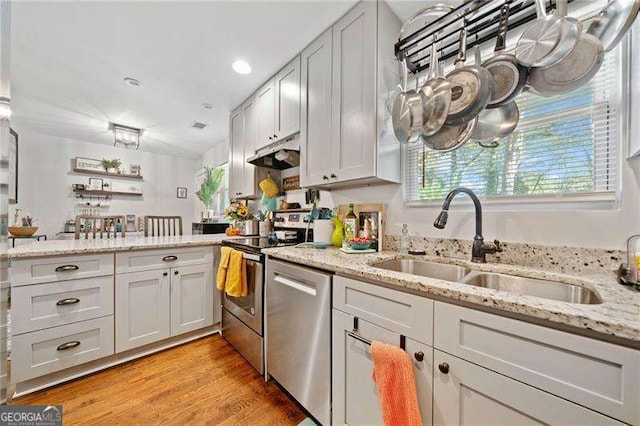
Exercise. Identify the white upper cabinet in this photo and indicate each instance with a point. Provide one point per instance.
(360, 144)
(287, 100)
(242, 136)
(315, 127)
(265, 101)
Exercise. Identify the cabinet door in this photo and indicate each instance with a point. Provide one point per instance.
(287, 100)
(354, 91)
(142, 308)
(265, 99)
(315, 127)
(469, 394)
(236, 138)
(191, 298)
(355, 396)
(250, 128)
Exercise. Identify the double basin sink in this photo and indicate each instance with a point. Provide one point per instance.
(545, 289)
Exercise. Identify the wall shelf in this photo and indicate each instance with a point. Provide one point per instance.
(88, 192)
(99, 173)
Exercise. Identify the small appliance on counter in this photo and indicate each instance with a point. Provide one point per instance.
(131, 223)
(200, 228)
(70, 226)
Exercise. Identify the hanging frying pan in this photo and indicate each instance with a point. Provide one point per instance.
(471, 87)
(508, 74)
(577, 69)
(407, 113)
(496, 124)
(613, 22)
(548, 39)
(451, 137)
(437, 94)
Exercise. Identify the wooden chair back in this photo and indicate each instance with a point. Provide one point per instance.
(99, 226)
(162, 226)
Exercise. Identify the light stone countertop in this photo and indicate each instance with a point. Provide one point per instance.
(618, 316)
(71, 247)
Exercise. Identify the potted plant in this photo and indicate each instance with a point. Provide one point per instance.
(210, 186)
(111, 166)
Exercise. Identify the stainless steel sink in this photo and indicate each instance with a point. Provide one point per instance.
(423, 268)
(553, 290)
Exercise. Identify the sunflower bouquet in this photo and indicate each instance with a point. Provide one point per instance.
(237, 211)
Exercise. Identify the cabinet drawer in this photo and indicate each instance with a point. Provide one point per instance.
(4, 274)
(48, 305)
(467, 394)
(404, 313)
(148, 260)
(60, 268)
(43, 352)
(596, 374)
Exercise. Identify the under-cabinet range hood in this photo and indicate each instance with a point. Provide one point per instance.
(279, 155)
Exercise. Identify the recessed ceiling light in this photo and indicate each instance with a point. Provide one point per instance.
(207, 105)
(241, 67)
(132, 82)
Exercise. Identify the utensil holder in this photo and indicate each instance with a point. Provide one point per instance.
(628, 273)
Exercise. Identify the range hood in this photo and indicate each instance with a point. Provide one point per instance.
(279, 155)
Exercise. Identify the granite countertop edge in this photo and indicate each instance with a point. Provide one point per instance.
(617, 316)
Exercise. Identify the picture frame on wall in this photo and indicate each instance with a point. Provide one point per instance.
(89, 164)
(181, 192)
(96, 184)
(135, 169)
(13, 167)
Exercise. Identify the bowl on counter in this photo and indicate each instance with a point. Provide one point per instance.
(22, 231)
(359, 244)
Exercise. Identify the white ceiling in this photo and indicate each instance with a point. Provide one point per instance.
(69, 60)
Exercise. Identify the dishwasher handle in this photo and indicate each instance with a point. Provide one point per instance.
(294, 284)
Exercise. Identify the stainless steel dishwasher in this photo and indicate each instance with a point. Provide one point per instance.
(298, 337)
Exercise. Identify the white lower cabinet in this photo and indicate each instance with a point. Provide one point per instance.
(467, 394)
(354, 393)
(154, 305)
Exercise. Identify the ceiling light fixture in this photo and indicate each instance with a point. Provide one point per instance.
(207, 105)
(132, 82)
(5, 108)
(125, 136)
(241, 67)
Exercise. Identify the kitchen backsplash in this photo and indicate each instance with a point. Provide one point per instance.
(559, 259)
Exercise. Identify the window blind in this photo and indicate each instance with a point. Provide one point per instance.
(564, 145)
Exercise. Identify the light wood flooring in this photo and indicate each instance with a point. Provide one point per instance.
(202, 382)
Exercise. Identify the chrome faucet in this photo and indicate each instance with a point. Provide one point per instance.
(480, 248)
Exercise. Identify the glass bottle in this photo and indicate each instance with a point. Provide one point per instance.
(350, 225)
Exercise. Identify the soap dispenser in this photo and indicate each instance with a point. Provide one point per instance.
(629, 273)
(404, 240)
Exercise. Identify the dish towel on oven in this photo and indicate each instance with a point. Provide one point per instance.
(232, 273)
(393, 375)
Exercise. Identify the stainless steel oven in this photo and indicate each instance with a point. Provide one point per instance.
(248, 309)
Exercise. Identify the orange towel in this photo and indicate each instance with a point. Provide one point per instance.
(393, 374)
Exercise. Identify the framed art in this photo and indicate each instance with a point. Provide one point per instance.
(182, 192)
(89, 164)
(13, 167)
(95, 184)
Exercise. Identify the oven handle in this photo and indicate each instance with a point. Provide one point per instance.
(295, 285)
(253, 257)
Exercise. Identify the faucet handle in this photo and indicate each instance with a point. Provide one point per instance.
(498, 247)
(491, 248)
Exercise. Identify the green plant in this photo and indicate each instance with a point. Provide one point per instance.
(210, 185)
(111, 164)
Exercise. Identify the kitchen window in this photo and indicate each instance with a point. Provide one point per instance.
(565, 148)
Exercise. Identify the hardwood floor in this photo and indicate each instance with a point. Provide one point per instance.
(202, 382)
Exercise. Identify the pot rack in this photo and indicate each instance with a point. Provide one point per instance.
(481, 18)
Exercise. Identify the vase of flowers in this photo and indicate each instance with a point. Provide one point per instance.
(237, 212)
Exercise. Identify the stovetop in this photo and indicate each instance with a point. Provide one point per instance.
(255, 244)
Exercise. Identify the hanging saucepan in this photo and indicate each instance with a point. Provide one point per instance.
(508, 74)
(548, 39)
(451, 137)
(613, 22)
(577, 69)
(437, 94)
(471, 87)
(407, 113)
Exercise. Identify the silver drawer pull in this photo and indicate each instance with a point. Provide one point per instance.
(170, 258)
(68, 345)
(67, 268)
(69, 301)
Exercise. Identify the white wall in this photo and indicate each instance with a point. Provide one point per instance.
(45, 178)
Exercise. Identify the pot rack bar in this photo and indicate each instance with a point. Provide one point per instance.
(482, 19)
